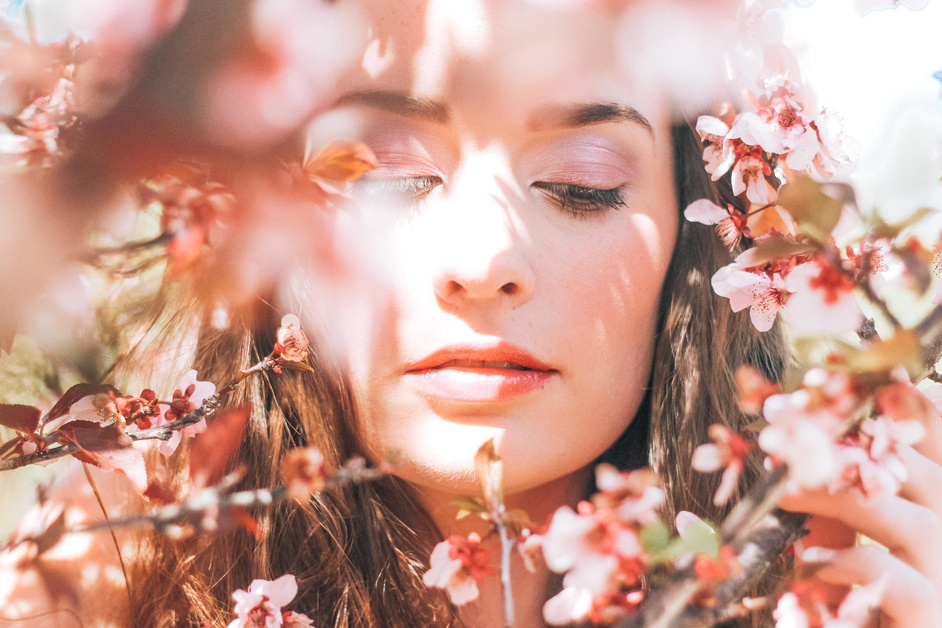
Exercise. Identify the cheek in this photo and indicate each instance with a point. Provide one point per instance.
(608, 287)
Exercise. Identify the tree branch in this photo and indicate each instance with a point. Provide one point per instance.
(758, 532)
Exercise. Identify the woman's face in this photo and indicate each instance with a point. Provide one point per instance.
(498, 273)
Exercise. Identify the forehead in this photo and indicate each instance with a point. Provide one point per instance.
(496, 62)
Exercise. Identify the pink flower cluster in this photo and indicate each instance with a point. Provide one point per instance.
(780, 135)
(781, 125)
(806, 431)
(189, 396)
(260, 606)
(599, 549)
(805, 606)
(458, 565)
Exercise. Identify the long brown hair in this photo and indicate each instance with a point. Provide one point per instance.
(359, 552)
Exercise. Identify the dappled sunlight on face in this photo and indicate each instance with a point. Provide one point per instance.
(498, 273)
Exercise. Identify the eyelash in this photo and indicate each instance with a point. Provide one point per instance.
(578, 200)
(581, 201)
(405, 189)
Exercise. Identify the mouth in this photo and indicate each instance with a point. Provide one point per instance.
(479, 374)
(481, 364)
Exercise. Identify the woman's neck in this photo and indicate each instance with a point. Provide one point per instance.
(529, 589)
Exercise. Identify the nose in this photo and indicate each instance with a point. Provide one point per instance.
(482, 254)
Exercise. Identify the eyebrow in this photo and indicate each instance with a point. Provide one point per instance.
(429, 110)
(587, 114)
(399, 103)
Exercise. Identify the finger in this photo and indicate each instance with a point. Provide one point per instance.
(910, 598)
(907, 529)
(924, 476)
(930, 445)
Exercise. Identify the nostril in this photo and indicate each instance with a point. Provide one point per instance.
(509, 288)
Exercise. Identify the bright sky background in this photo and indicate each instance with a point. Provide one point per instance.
(877, 72)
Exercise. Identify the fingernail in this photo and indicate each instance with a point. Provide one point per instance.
(817, 555)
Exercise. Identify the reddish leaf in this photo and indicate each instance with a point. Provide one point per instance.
(294, 366)
(106, 447)
(58, 583)
(75, 393)
(212, 451)
(159, 493)
(341, 161)
(243, 519)
(51, 535)
(128, 461)
(94, 437)
(8, 446)
(19, 417)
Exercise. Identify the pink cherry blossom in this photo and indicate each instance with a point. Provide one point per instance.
(902, 401)
(458, 565)
(836, 153)
(686, 522)
(822, 299)
(186, 398)
(727, 451)
(806, 606)
(601, 554)
(578, 545)
(802, 439)
(782, 111)
(804, 425)
(761, 292)
(789, 613)
(749, 176)
(292, 342)
(633, 496)
(296, 620)
(260, 606)
(719, 154)
(730, 224)
(569, 606)
(870, 460)
(735, 147)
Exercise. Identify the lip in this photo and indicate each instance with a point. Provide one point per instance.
(479, 374)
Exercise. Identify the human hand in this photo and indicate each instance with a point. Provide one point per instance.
(907, 524)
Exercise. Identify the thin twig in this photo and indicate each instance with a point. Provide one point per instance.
(114, 537)
(171, 515)
(668, 605)
(162, 432)
(506, 547)
(132, 247)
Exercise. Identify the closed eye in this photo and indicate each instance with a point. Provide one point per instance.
(402, 190)
(581, 201)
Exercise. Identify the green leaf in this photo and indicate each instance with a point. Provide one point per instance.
(815, 212)
(655, 537)
(470, 504)
(900, 349)
(698, 538)
(891, 230)
(919, 272)
(517, 520)
(756, 426)
(776, 248)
